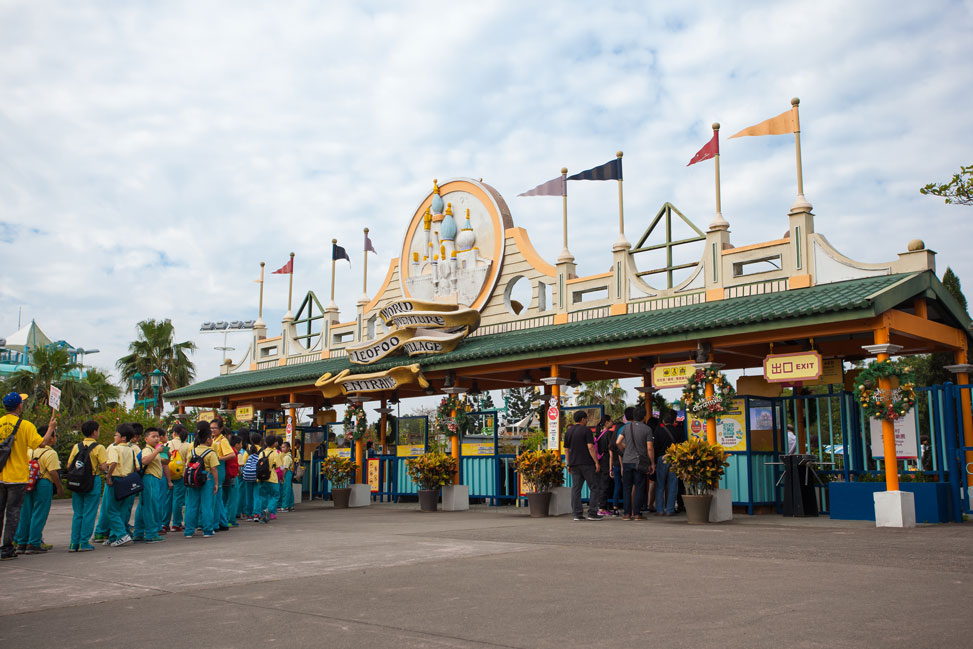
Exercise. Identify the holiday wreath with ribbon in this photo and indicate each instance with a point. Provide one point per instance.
(891, 404)
(447, 423)
(356, 421)
(703, 407)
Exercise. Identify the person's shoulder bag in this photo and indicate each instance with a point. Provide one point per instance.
(7, 445)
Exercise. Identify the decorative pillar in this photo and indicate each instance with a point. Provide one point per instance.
(454, 447)
(962, 370)
(554, 383)
(383, 423)
(292, 412)
(888, 427)
(359, 460)
(702, 354)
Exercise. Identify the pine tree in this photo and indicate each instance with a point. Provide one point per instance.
(518, 403)
(952, 284)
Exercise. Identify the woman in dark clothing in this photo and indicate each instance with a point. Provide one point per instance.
(616, 468)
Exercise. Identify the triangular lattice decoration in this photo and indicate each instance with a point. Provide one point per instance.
(666, 212)
(310, 301)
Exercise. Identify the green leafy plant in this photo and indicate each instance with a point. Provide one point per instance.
(889, 404)
(431, 470)
(958, 191)
(355, 421)
(339, 471)
(543, 470)
(697, 463)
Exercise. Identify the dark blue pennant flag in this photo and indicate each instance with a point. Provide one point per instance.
(337, 252)
(611, 170)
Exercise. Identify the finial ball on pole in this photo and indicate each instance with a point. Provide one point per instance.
(366, 230)
(716, 126)
(618, 154)
(795, 101)
(334, 241)
(564, 170)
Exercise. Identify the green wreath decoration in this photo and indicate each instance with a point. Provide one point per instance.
(356, 420)
(446, 424)
(880, 404)
(694, 394)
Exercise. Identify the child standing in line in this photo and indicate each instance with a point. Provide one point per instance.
(232, 488)
(85, 505)
(136, 445)
(250, 484)
(29, 537)
(165, 500)
(103, 528)
(279, 469)
(122, 461)
(268, 490)
(178, 457)
(286, 500)
(199, 500)
(147, 515)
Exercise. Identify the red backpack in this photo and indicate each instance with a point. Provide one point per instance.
(33, 474)
(232, 467)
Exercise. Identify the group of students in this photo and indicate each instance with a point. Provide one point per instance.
(170, 483)
(623, 463)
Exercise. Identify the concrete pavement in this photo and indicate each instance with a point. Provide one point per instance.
(390, 576)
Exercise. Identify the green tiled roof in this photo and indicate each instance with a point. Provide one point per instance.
(846, 300)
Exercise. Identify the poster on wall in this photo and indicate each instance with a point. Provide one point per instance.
(905, 438)
(374, 474)
(731, 428)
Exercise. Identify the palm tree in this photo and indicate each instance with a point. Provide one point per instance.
(48, 365)
(608, 393)
(102, 392)
(156, 349)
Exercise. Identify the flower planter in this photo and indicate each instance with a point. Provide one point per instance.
(539, 503)
(456, 497)
(340, 497)
(428, 499)
(361, 495)
(855, 501)
(697, 508)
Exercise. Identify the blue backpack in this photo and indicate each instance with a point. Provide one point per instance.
(249, 471)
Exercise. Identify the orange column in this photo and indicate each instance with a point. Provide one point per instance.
(383, 423)
(888, 428)
(710, 423)
(454, 449)
(359, 460)
(292, 412)
(556, 393)
(963, 378)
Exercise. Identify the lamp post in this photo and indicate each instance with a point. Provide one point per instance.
(138, 382)
(156, 380)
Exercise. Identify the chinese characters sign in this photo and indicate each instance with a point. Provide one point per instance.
(786, 368)
(671, 375)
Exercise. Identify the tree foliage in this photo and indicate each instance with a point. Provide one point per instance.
(958, 191)
(519, 402)
(608, 393)
(155, 348)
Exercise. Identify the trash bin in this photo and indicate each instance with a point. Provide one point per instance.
(799, 481)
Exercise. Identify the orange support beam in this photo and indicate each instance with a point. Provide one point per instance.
(888, 428)
(963, 378)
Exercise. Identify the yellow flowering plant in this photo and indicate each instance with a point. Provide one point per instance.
(543, 470)
(697, 463)
(431, 470)
(339, 471)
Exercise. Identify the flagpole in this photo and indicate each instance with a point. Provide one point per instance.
(364, 281)
(334, 242)
(800, 203)
(719, 223)
(622, 242)
(260, 309)
(565, 255)
(290, 289)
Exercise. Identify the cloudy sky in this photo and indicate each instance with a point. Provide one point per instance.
(153, 153)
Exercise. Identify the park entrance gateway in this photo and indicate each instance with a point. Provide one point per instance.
(791, 311)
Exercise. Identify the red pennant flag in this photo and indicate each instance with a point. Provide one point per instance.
(286, 269)
(710, 150)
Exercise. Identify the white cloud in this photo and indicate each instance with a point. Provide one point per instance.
(151, 155)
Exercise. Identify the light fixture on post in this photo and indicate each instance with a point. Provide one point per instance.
(574, 382)
(384, 411)
(526, 378)
(554, 380)
(475, 390)
(357, 398)
(291, 406)
(327, 405)
(394, 398)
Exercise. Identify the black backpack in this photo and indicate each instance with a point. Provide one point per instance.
(79, 477)
(7, 445)
(263, 467)
(196, 474)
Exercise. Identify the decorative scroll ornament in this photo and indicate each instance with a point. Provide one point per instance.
(418, 328)
(344, 383)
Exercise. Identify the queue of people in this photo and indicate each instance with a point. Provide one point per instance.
(623, 463)
(145, 485)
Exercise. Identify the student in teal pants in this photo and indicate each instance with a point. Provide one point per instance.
(250, 487)
(267, 491)
(285, 502)
(122, 461)
(181, 449)
(37, 502)
(148, 515)
(85, 505)
(225, 453)
(235, 491)
(199, 500)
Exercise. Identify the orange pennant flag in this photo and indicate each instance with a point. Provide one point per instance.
(783, 124)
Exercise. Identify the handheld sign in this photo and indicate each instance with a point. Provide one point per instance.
(54, 400)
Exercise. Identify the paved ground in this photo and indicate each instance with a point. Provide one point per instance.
(390, 576)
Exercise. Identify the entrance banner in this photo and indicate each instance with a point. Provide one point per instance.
(905, 438)
(553, 427)
(243, 413)
(374, 481)
(344, 382)
(799, 366)
(339, 452)
(731, 427)
(418, 328)
(482, 449)
(671, 375)
(410, 450)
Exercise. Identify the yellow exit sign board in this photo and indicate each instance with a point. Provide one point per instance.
(788, 368)
(244, 413)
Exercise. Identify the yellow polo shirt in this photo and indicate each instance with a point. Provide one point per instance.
(125, 457)
(271, 456)
(241, 457)
(154, 467)
(210, 461)
(47, 461)
(288, 462)
(222, 446)
(16, 471)
(98, 455)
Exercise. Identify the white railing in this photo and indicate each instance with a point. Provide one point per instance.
(671, 302)
(515, 325)
(588, 314)
(755, 288)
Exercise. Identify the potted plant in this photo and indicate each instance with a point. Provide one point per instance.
(339, 471)
(431, 471)
(700, 465)
(541, 471)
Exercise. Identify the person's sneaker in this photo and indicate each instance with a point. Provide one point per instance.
(125, 540)
(209, 536)
(157, 539)
(7, 556)
(595, 517)
(106, 542)
(638, 518)
(35, 549)
(72, 548)
(273, 517)
(46, 546)
(578, 518)
(85, 548)
(20, 549)
(98, 538)
(164, 530)
(140, 539)
(222, 528)
(626, 517)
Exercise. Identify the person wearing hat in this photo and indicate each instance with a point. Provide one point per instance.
(18, 438)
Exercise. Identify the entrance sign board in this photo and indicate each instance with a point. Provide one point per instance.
(731, 428)
(553, 421)
(482, 449)
(785, 368)
(671, 375)
(374, 475)
(243, 413)
(905, 438)
(344, 382)
(832, 373)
